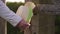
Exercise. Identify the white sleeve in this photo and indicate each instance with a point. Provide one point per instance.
(9, 15)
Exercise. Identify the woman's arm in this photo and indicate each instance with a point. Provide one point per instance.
(11, 17)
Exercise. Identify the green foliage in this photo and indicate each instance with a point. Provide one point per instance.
(14, 5)
(57, 25)
(10, 29)
(58, 20)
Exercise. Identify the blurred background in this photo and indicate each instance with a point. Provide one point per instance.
(14, 4)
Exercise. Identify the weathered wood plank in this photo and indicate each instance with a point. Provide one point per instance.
(3, 24)
(47, 24)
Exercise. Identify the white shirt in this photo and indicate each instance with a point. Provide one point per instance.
(9, 15)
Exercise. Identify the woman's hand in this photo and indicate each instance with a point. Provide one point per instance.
(23, 25)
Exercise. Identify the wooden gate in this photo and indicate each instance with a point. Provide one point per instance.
(42, 23)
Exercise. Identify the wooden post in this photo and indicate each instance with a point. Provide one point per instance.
(2, 24)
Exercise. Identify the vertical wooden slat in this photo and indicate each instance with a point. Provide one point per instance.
(47, 24)
(2, 24)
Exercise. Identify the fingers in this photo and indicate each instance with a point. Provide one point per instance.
(23, 25)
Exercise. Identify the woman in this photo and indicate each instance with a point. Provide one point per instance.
(11, 17)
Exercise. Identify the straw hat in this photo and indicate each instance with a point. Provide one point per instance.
(30, 4)
(23, 11)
